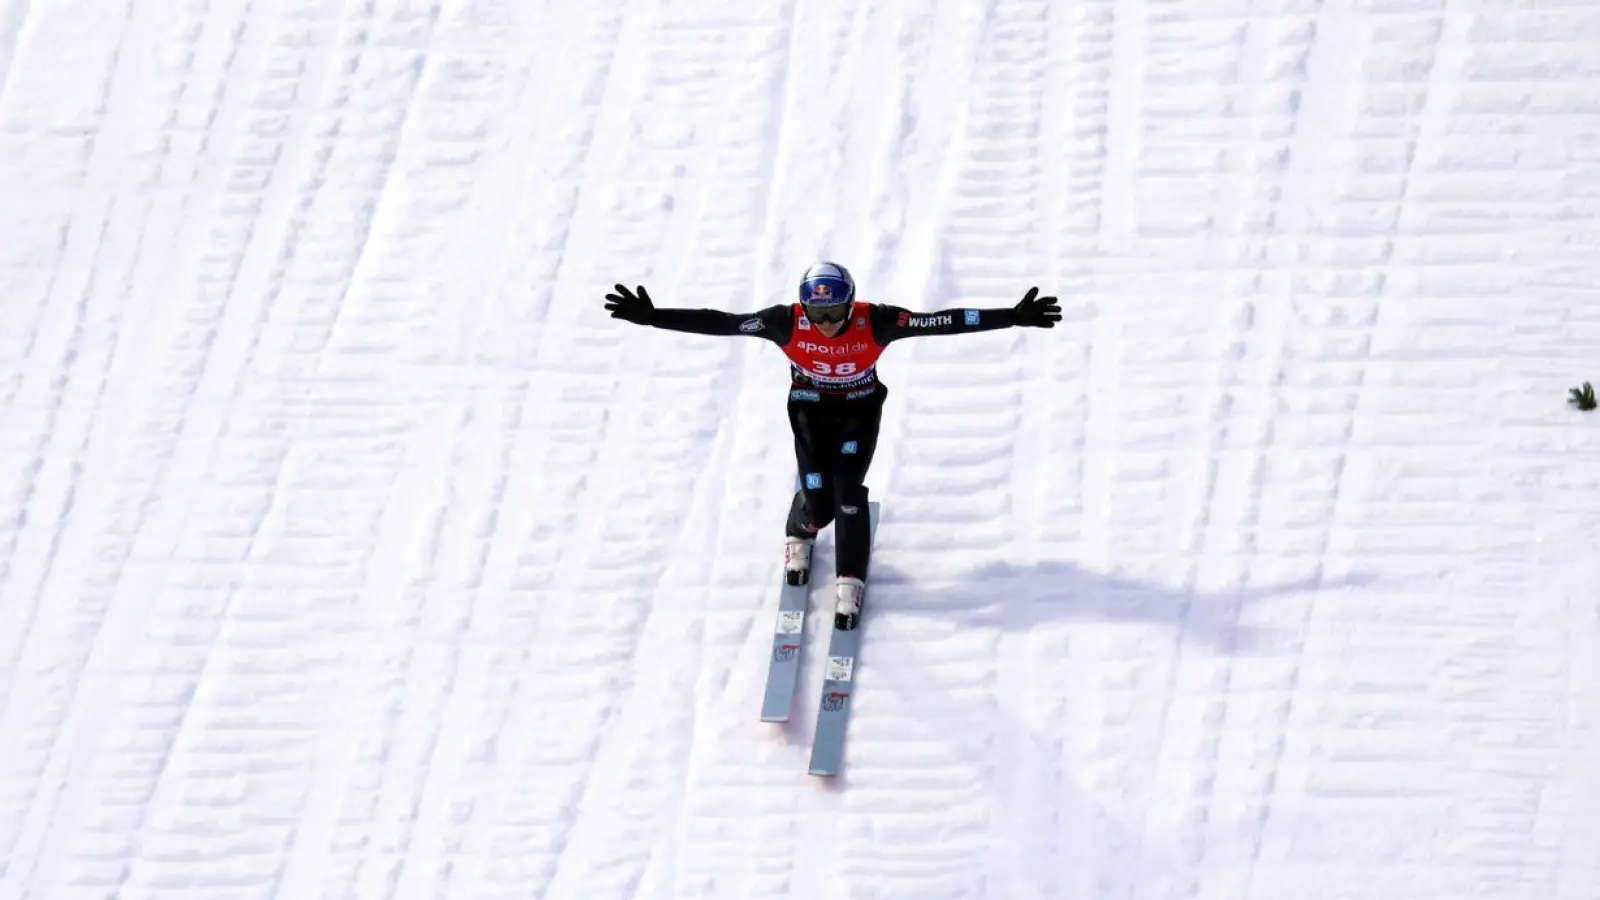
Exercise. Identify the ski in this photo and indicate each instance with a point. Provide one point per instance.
(788, 637)
(783, 665)
(838, 684)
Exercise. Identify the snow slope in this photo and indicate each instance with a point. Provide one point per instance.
(348, 550)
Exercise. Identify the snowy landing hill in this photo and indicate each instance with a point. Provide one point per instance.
(348, 550)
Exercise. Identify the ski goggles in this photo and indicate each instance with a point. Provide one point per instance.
(827, 315)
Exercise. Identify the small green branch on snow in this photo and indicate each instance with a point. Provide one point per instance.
(1583, 397)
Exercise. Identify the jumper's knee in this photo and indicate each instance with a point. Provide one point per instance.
(852, 499)
(810, 512)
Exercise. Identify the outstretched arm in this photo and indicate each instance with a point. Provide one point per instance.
(892, 323)
(771, 323)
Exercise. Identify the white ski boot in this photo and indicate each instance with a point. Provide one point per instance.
(797, 560)
(848, 610)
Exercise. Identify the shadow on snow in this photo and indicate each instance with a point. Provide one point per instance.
(938, 720)
(1014, 598)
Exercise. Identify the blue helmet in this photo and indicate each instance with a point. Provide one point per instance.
(827, 293)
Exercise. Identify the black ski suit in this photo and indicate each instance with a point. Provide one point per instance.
(835, 397)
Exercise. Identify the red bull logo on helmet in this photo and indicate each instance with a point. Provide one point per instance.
(823, 294)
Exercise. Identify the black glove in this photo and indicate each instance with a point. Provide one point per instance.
(629, 308)
(1034, 311)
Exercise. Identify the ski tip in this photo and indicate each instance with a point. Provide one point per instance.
(824, 764)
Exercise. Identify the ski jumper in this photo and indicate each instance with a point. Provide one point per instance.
(835, 401)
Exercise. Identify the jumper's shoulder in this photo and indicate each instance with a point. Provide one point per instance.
(773, 323)
(884, 320)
